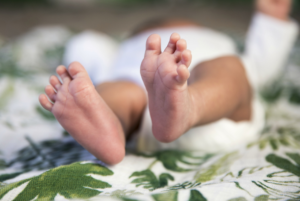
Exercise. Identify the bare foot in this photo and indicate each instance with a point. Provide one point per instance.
(165, 76)
(84, 114)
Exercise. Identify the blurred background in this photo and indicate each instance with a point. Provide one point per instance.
(119, 17)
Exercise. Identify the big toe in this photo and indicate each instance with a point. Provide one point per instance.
(77, 70)
(153, 44)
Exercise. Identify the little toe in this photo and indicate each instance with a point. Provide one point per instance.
(54, 81)
(45, 102)
(153, 45)
(77, 70)
(183, 74)
(186, 58)
(50, 93)
(63, 74)
(180, 47)
(171, 47)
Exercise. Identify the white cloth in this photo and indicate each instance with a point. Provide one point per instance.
(204, 43)
(95, 51)
(268, 44)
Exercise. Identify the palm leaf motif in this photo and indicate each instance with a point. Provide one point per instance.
(170, 196)
(286, 136)
(71, 181)
(221, 166)
(196, 196)
(285, 164)
(148, 179)
(170, 158)
(287, 177)
(185, 185)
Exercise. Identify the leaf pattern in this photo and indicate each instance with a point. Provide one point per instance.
(71, 181)
(148, 180)
(285, 164)
(196, 196)
(170, 159)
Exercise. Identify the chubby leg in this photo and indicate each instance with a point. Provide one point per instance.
(127, 100)
(84, 114)
(218, 89)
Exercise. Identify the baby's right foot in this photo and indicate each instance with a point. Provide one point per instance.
(165, 76)
(83, 113)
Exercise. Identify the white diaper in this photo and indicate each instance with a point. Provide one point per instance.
(222, 135)
(204, 43)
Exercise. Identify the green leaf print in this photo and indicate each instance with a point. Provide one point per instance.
(6, 94)
(217, 168)
(272, 92)
(148, 180)
(128, 199)
(238, 199)
(295, 96)
(122, 194)
(196, 196)
(262, 198)
(4, 177)
(274, 144)
(295, 157)
(285, 164)
(279, 179)
(168, 196)
(71, 181)
(170, 158)
(185, 185)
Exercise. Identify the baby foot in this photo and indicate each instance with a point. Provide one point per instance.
(165, 76)
(84, 114)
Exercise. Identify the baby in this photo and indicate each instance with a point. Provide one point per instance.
(181, 93)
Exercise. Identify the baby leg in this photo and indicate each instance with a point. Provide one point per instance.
(220, 89)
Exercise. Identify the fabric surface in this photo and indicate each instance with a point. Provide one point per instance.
(40, 161)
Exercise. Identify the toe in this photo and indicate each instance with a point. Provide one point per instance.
(153, 45)
(183, 74)
(172, 43)
(63, 74)
(54, 81)
(45, 102)
(50, 93)
(180, 47)
(186, 58)
(77, 70)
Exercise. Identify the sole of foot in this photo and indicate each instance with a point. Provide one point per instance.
(81, 111)
(165, 76)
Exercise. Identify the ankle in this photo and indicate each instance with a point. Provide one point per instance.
(195, 107)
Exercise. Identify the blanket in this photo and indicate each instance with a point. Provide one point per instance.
(39, 160)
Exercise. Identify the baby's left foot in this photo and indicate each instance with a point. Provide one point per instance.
(84, 114)
(165, 76)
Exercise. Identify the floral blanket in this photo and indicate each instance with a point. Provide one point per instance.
(40, 161)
